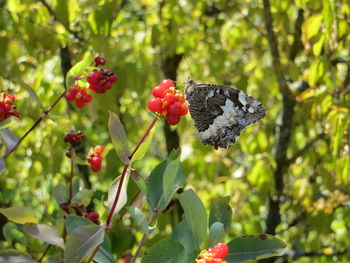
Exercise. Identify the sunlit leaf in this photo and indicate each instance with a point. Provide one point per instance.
(195, 215)
(79, 67)
(18, 214)
(139, 219)
(81, 241)
(166, 250)
(46, 233)
(112, 192)
(118, 136)
(9, 139)
(139, 154)
(246, 248)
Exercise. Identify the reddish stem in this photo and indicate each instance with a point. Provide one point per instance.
(116, 199)
(44, 254)
(71, 179)
(144, 137)
(46, 112)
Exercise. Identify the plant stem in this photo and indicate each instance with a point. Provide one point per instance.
(46, 112)
(44, 254)
(71, 179)
(150, 221)
(116, 199)
(144, 137)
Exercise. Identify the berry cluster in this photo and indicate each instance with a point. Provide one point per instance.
(74, 138)
(79, 95)
(101, 80)
(93, 216)
(6, 108)
(216, 254)
(168, 102)
(94, 158)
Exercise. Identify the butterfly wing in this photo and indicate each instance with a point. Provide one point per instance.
(220, 113)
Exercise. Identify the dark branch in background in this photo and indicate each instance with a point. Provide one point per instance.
(283, 131)
(169, 68)
(296, 253)
(54, 16)
(297, 44)
(305, 148)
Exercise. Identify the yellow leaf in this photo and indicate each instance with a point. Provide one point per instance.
(18, 214)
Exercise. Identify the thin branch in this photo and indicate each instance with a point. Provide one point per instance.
(44, 254)
(45, 114)
(297, 44)
(54, 16)
(276, 58)
(305, 148)
(144, 237)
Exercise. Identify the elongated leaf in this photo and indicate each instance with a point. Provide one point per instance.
(46, 233)
(168, 176)
(29, 90)
(79, 67)
(246, 248)
(123, 197)
(83, 197)
(183, 234)
(166, 250)
(144, 146)
(216, 233)
(10, 140)
(139, 219)
(60, 193)
(118, 136)
(195, 215)
(81, 241)
(73, 222)
(13, 256)
(104, 254)
(18, 214)
(220, 211)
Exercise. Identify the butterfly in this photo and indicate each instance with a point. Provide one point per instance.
(220, 112)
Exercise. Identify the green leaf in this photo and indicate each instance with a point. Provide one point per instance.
(83, 197)
(46, 233)
(10, 140)
(312, 26)
(166, 250)
(139, 154)
(123, 197)
(118, 136)
(221, 211)
(73, 222)
(183, 234)
(139, 218)
(165, 179)
(317, 71)
(78, 68)
(13, 256)
(81, 241)
(60, 194)
(11, 233)
(216, 233)
(195, 215)
(2, 165)
(18, 215)
(246, 248)
(104, 254)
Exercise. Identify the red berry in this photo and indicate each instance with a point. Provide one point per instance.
(7, 106)
(166, 83)
(159, 91)
(155, 105)
(175, 109)
(11, 97)
(184, 109)
(99, 61)
(173, 119)
(99, 149)
(93, 77)
(95, 167)
(169, 98)
(106, 85)
(70, 96)
(74, 90)
(113, 78)
(87, 98)
(79, 103)
(220, 250)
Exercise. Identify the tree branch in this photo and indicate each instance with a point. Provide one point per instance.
(297, 44)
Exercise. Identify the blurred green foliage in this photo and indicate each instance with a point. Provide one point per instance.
(222, 42)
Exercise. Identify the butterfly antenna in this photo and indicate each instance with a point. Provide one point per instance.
(189, 67)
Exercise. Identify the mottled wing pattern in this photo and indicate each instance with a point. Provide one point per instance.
(220, 113)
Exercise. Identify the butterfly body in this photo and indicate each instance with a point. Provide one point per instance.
(220, 112)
